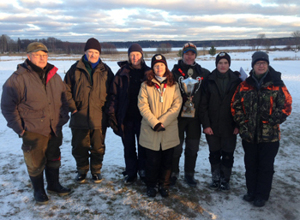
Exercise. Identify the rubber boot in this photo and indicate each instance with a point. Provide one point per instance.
(215, 173)
(39, 190)
(52, 176)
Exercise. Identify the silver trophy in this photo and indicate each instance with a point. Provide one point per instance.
(189, 86)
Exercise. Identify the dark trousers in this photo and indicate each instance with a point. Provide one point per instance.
(190, 127)
(40, 151)
(158, 167)
(221, 150)
(259, 164)
(88, 143)
(133, 161)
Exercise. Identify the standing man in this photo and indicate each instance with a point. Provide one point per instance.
(125, 118)
(189, 124)
(217, 121)
(259, 105)
(35, 106)
(88, 83)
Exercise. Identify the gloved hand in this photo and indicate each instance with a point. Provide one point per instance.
(159, 127)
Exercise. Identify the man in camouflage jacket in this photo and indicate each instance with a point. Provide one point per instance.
(259, 105)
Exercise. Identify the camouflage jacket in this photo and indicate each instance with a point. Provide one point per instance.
(258, 112)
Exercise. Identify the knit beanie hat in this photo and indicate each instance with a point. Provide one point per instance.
(158, 58)
(223, 55)
(259, 55)
(92, 43)
(135, 47)
(189, 47)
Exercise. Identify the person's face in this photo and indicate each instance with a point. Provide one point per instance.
(189, 57)
(92, 55)
(159, 69)
(135, 59)
(38, 58)
(260, 67)
(223, 66)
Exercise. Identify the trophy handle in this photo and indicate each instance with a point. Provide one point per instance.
(179, 82)
(199, 84)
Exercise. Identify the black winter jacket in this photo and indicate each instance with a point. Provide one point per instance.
(215, 112)
(119, 96)
(87, 97)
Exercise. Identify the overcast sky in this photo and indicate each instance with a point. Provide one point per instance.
(133, 20)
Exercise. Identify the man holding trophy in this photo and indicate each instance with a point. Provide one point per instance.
(189, 76)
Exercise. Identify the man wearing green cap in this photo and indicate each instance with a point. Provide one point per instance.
(188, 123)
(35, 106)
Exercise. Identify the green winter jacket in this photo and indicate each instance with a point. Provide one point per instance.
(88, 97)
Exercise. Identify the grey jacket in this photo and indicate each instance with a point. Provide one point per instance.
(88, 97)
(27, 104)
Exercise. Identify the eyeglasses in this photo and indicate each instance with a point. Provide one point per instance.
(261, 63)
(189, 45)
(39, 55)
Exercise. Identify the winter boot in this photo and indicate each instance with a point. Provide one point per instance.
(249, 197)
(39, 190)
(190, 180)
(164, 191)
(173, 178)
(259, 202)
(224, 185)
(52, 176)
(215, 174)
(142, 174)
(151, 191)
(225, 178)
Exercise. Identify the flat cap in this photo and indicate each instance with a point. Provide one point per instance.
(36, 46)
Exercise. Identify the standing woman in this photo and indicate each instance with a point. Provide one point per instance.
(259, 105)
(159, 103)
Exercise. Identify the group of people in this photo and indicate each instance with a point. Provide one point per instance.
(154, 111)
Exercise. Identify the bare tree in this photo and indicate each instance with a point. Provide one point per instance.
(4, 43)
(260, 41)
(108, 48)
(296, 36)
(204, 48)
(164, 48)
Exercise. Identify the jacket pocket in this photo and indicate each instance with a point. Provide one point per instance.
(270, 133)
(78, 105)
(27, 144)
(244, 132)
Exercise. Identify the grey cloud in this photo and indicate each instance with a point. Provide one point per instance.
(296, 2)
(77, 20)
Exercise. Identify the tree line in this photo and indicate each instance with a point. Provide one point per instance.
(8, 45)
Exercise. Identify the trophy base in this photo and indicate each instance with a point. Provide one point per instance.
(188, 112)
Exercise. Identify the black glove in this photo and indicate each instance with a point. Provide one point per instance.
(158, 127)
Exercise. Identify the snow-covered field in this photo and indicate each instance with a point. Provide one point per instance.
(112, 200)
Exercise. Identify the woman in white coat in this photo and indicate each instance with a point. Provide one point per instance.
(159, 102)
